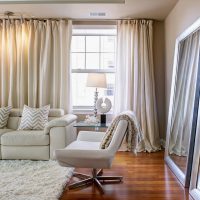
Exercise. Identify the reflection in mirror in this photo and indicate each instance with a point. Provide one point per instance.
(198, 179)
(195, 173)
(184, 97)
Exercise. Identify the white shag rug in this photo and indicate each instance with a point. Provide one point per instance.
(32, 180)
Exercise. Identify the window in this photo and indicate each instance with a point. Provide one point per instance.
(93, 51)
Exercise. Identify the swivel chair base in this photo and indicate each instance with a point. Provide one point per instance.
(96, 179)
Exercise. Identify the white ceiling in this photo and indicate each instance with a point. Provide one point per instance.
(154, 9)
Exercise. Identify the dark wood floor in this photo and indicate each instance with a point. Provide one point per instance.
(145, 177)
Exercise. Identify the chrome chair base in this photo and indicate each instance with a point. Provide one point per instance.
(96, 179)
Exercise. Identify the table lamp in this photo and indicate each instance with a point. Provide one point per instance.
(96, 80)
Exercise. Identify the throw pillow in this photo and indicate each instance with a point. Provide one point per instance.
(4, 115)
(34, 118)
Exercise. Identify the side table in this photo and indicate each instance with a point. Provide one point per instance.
(96, 126)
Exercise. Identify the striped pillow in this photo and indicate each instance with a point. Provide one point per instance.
(4, 115)
(34, 118)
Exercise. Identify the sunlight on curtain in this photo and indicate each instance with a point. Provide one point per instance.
(35, 63)
(135, 88)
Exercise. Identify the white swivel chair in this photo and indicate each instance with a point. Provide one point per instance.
(85, 152)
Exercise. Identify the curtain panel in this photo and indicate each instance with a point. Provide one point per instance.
(35, 63)
(135, 88)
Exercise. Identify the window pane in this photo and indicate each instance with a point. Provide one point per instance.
(108, 43)
(92, 44)
(84, 96)
(107, 60)
(78, 60)
(109, 92)
(95, 31)
(92, 61)
(78, 44)
(92, 48)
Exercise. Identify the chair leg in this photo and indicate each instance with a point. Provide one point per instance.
(82, 183)
(100, 172)
(110, 178)
(98, 184)
(81, 175)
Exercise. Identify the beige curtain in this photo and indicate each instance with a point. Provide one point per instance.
(135, 78)
(34, 63)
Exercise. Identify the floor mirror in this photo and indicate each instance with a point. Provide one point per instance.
(195, 176)
(184, 104)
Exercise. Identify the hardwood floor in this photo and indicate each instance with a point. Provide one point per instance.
(146, 177)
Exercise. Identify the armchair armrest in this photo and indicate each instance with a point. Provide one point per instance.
(90, 136)
(60, 122)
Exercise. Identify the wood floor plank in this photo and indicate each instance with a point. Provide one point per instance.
(146, 177)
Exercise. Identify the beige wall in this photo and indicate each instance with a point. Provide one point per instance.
(159, 72)
(185, 13)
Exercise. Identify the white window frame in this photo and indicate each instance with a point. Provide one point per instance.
(89, 109)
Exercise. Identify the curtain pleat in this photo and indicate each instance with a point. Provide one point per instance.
(135, 87)
(35, 63)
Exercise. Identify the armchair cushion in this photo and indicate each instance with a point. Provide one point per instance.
(55, 112)
(90, 136)
(83, 145)
(25, 138)
(3, 131)
(85, 155)
(60, 122)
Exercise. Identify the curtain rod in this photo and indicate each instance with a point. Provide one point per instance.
(26, 16)
(115, 19)
(32, 18)
(73, 19)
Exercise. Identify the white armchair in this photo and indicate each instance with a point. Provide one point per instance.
(85, 152)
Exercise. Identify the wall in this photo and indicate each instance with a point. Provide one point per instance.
(159, 73)
(184, 14)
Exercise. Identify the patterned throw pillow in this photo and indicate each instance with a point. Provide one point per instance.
(4, 114)
(34, 118)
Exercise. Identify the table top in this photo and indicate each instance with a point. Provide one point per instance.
(85, 124)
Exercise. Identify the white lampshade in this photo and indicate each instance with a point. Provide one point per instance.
(97, 80)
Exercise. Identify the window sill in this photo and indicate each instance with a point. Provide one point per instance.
(88, 112)
(83, 111)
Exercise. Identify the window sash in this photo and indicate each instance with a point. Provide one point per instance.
(89, 109)
(99, 52)
(93, 71)
(88, 34)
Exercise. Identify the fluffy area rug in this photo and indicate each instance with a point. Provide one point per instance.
(32, 180)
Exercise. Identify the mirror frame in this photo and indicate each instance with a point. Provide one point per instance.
(183, 178)
(194, 192)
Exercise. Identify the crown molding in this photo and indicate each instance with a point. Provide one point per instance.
(62, 1)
